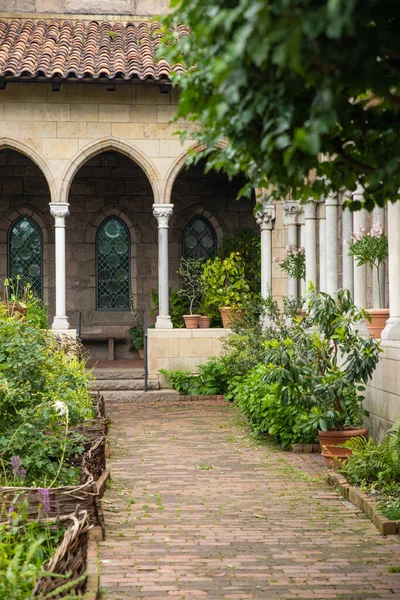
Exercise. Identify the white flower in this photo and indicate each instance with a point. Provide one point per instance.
(60, 407)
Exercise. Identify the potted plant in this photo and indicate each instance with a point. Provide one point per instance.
(225, 287)
(325, 370)
(136, 332)
(190, 270)
(295, 262)
(371, 247)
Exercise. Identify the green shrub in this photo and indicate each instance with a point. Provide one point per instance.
(25, 546)
(262, 405)
(180, 380)
(43, 392)
(248, 245)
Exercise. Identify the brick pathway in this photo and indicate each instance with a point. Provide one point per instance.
(198, 510)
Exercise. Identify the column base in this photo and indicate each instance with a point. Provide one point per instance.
(60, 323)
(164, 322)
(392, 329)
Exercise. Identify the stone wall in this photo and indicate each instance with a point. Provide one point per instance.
(86, 7)
(382, 398)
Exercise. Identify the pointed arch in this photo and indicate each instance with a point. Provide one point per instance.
(106, 145)
(37, 158)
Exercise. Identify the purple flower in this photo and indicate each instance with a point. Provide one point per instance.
(45, 494)
(17, 468)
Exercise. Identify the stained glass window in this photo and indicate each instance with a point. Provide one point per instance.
(113, 252)
(199, 240)
(25, 253)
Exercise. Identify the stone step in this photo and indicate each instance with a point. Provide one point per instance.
(103, 385)
(118, 373)
(116, 397)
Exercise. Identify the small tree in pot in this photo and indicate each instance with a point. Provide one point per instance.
(325, 370)
(191, 270)
(225, 286)
(371, 248)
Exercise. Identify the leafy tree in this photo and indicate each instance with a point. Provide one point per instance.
(305, 93)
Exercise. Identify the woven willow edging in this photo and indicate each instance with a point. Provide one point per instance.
(70, 557)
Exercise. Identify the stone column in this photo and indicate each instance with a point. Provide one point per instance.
(392, 329)
(265, 219)
(322, 247)
(310, 241)
(332, 261)
(162, 213)
(378, 216)
(360, 273)
(60, 211)
(292, 210)
(347, 260)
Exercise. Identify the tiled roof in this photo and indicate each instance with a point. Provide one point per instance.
(60, 48)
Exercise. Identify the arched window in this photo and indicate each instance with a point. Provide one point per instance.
(25, 254)
(112, 255)
(199, 239)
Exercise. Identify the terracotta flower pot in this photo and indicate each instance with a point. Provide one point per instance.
(329, 441)
(141, 352)
(191, 321)
(228, 314)
(379, 316)
(204, 322)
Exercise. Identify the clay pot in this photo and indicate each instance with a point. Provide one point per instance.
(228, 314)
(379, 316)
(191, 321)
(329, 441)
(141, 352)
(204, 322)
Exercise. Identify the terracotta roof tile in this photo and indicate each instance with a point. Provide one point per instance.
(81, 49)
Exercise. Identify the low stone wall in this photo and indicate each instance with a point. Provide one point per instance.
(183, 349)
(383, 393)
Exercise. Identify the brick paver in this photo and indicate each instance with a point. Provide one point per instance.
(197, 509)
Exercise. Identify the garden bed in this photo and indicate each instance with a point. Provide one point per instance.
(365, 503)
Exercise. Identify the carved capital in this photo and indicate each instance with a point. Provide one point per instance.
(265, 217)
(310, 209)
(163, 213)
(331, 200)
(292, 211)
(59, 210)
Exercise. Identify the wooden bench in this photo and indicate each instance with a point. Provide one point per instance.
(110, 338)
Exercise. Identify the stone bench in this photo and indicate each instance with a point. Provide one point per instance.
(110, 338)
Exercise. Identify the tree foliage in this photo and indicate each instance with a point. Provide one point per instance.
(305, 93)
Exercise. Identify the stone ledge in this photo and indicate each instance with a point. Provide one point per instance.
(364, 503)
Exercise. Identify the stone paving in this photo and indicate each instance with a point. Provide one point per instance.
(198, 509)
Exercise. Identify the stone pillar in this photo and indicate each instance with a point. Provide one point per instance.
(332, 259)
(392, 329)
(378, 216)
(162, 213)
(265, 219)
(347, 260)
(360, 273)
(60, 211)
(310, 241)
(292, 210)
(322, 247)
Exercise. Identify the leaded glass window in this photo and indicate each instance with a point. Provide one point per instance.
(199, 240)
(113, 252)
(25, 253)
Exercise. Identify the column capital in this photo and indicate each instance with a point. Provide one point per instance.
(310, 209)
(292, 210)
(265, 217)
(358, 195)
(163, 213)
(59, 210)
(331, 200)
